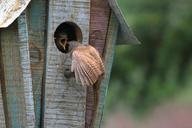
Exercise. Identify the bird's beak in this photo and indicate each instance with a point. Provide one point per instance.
(64, 43)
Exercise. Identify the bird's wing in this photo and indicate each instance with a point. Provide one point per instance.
(97, 57)
(86, 66)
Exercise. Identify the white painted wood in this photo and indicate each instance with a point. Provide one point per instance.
(10, 10)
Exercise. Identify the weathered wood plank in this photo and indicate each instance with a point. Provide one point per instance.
(10, 10)
(99, 20)
(108, 61)
(26, 69)
(17, 78)
(2, 114)
(13, 77)
(2, 92)
(37, 25)
(64, 99)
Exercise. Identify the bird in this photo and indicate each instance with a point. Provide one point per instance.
(87, 64)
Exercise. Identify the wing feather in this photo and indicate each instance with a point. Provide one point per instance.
(87, 66)
(88, 79)
(74, 64)
(97, 57)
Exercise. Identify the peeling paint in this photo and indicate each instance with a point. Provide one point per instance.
(10, 10)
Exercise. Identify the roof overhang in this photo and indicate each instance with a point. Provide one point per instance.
(10, 10)
(125, 34)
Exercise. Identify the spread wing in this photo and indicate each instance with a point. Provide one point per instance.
(87, 65)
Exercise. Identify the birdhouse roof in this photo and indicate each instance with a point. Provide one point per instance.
(125, 34)
(11, 9)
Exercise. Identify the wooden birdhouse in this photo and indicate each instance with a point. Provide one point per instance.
(34, 90)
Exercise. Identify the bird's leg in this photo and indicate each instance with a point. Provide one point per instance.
(67, 68)
(68, 73)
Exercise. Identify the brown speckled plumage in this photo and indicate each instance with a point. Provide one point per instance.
(86, 64)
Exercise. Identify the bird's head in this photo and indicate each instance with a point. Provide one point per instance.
(63, 41)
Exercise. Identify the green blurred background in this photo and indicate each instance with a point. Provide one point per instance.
(160, 69)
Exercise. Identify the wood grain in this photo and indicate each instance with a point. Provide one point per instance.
(64, 99)
(37, 14)
(17, 78)
(3, 102)
(13, 77)
(108, 61)
(26, 69)
(2, 114)
(99, 20)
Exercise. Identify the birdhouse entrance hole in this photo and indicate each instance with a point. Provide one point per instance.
(71, 30)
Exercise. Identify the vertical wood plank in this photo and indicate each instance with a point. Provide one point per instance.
(108, 60)
(2, 113)
(99, 21)
(26, 69)
(64, 99)
(17, 76)
(37, 27)
(13, 77)
(2, 92)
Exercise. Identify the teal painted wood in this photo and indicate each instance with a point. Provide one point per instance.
(36, 26)
(2, 114)
(26, 69)
(108, 61)
(13, 78)
(17, 77)
(64, 99)
(2, 92)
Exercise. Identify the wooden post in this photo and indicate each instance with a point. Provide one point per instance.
(64, 99)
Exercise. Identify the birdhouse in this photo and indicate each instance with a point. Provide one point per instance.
(34, 90)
